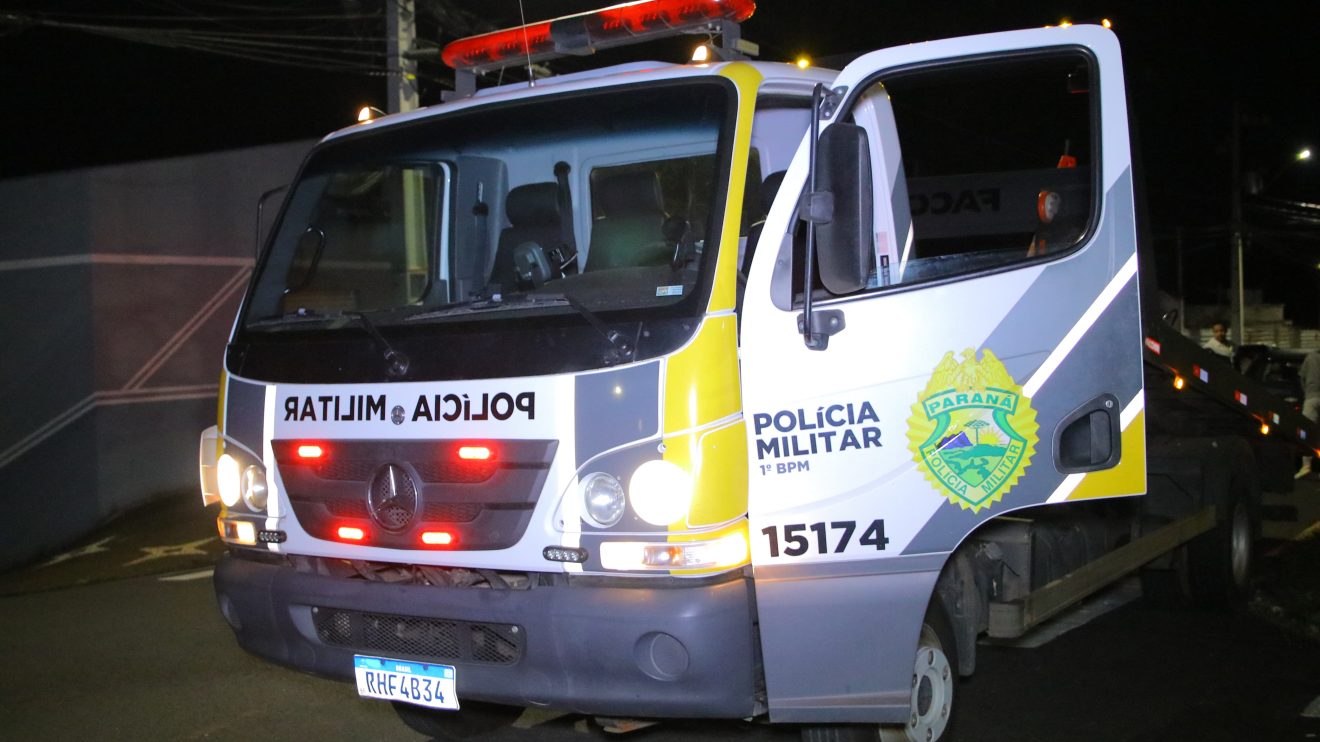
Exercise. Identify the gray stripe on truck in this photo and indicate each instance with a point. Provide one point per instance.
(616, 407)
(245, 412)
(1108, 359)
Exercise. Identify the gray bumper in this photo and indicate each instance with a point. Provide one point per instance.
(626, 651)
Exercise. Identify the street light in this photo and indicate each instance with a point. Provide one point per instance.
(1256, 185)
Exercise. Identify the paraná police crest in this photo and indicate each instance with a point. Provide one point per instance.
(972, 432)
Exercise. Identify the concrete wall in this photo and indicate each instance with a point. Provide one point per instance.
(120, 287)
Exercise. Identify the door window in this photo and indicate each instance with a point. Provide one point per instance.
(997, 165)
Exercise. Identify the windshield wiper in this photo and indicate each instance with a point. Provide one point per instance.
(490, 303)
(622, 350)
(300, 317)
(396, 361)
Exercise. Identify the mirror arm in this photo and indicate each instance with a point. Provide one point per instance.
(261, 205)
(809, 337)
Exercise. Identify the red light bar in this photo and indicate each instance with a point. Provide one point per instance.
(586, 32)
(437, 538)
(475, 453)
(350, 533)
(310, 451)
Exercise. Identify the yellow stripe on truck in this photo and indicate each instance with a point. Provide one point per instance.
(724, 293)
(701, 389)
(701, 380)
(701, 386)
(1129, 477)
(720, 478)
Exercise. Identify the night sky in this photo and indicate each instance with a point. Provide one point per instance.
(74, 99)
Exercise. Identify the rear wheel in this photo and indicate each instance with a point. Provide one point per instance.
(1220, 562)
(472, 722)
(1214, 570)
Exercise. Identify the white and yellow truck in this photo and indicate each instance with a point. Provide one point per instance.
(720, 390)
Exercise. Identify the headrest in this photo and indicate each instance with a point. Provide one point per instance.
(770, 188)
(533, 205)
(634, 193)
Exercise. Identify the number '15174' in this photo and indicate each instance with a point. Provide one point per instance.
(800, 538)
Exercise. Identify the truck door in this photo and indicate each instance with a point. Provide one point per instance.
(990, 360)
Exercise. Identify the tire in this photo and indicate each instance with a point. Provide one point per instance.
(1220, 562)
(1214, 570)
(934, 681)
(475, 720)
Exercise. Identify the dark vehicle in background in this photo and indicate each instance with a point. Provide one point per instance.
(1275, 368)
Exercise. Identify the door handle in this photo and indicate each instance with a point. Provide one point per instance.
(1089, 438)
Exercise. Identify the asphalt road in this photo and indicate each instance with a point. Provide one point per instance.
(123, 642)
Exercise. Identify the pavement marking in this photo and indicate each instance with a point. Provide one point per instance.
(87, 550)
(186, 576)
(192, 548)
(1312, 711)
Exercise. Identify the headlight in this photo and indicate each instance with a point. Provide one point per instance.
(602, 499)
(660, 492)
(228, 477)
(254, 488)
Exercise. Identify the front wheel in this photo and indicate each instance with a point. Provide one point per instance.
(934, 677)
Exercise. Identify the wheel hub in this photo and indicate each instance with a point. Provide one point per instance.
(932, 694)
(1240, 545)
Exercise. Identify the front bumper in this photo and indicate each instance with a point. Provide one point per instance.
(686, 651)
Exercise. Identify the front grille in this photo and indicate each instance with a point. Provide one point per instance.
(348, 470)
(451, 512)
(466, 472)
(434, 512)
(432, 638)
(443, 472)
(346, 508)
(400, 487)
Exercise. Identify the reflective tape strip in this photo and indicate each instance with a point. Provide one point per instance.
(1078, 330)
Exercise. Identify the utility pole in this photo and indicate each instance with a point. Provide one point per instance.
(1182, 287)
(1236, 284)
(401, 32)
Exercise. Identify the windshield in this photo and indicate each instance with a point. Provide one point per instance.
(507, 211)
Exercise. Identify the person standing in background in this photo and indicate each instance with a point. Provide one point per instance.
(1309, 375)
(1218, 342)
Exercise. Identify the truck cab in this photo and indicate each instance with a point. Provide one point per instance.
(687, 390)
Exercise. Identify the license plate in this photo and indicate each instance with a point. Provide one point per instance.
(410, 682)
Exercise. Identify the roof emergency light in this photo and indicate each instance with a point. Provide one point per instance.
(584, 33)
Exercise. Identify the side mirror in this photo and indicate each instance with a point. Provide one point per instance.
(844, 249)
